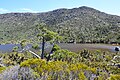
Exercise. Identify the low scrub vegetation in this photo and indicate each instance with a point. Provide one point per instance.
(63, 65)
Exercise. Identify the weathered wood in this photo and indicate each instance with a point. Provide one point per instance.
(34, 54)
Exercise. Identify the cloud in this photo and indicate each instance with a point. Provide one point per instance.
(27, 10)
(3, 10)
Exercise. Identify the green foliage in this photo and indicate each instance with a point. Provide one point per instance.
(13, 58)
(23, 43)
(82, 76)
(88, 26)
(56, 47)
(50, 35)
(15, 48)
(56, 69)
(64, 55)
(85, 53)
(64, 65)
(115, 70)
(35, 46)
(84, 24)
(114, 77)
(47, 34)
(2, 69)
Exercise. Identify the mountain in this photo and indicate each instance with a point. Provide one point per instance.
(83, 24)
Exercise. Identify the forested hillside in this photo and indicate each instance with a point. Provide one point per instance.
(81, 24)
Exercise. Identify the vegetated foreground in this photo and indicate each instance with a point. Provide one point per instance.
(62, 65)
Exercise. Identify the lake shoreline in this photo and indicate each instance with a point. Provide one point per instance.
(69, 46)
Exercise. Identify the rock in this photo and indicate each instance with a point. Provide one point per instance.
(117, 49)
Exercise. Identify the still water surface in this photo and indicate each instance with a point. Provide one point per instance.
(71, 47)
(78, 47)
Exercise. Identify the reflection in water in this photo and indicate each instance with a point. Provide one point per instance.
(71, 47)
(8, 47)
(78, 47)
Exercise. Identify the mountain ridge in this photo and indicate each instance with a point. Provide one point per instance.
(83, 20)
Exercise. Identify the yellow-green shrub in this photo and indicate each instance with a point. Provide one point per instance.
(2, 69)
(115, 77)
(57, 69)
